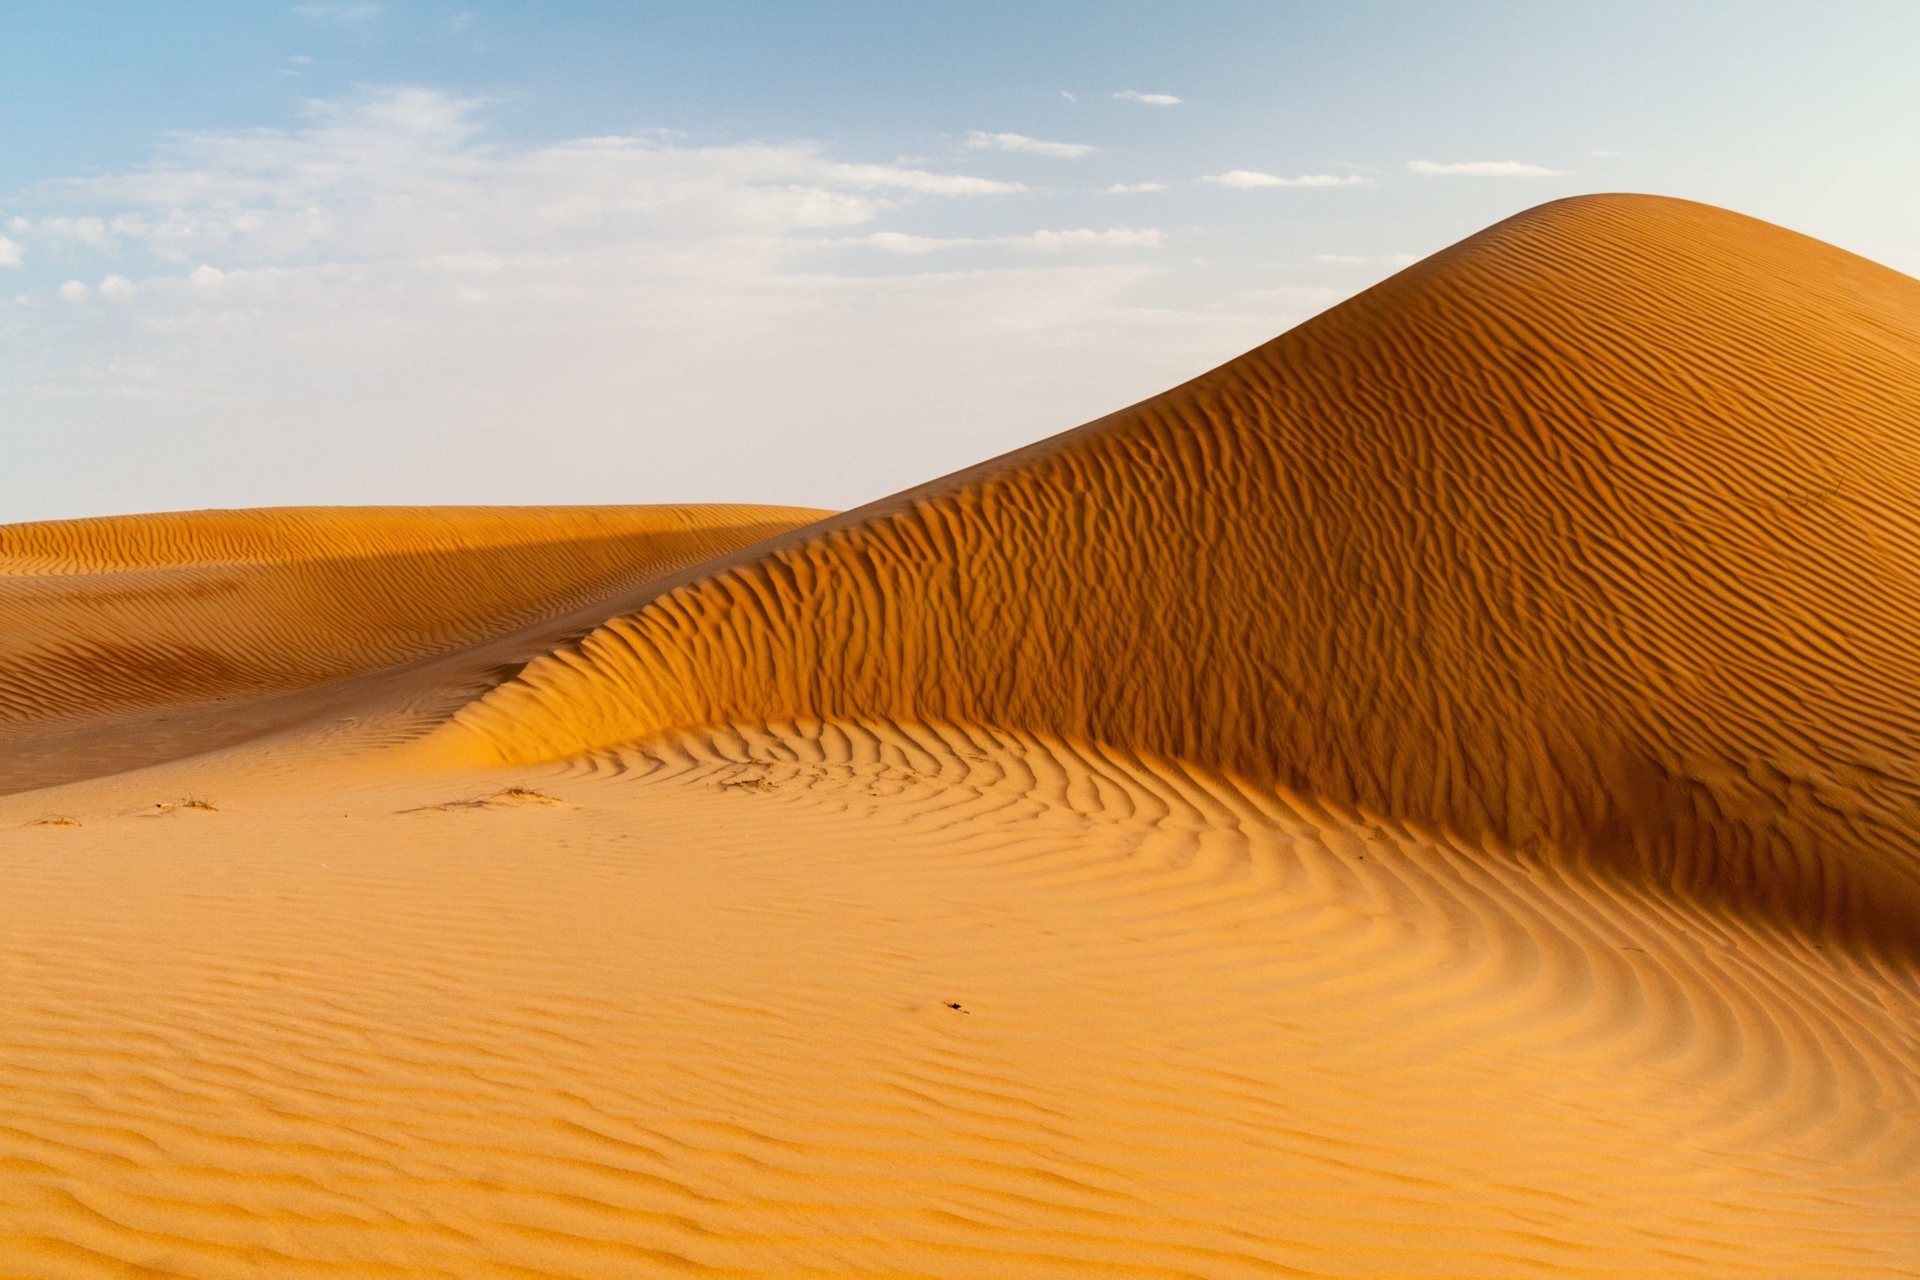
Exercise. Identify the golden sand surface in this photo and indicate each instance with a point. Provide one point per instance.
(129, 640)
(1432, 797)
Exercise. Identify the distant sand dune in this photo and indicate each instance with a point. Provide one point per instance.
(1436, 796)
(1598, 532)
(129, 639)
(127, 610)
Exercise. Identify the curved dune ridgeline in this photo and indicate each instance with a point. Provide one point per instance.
(121, 612)
(1595, 535)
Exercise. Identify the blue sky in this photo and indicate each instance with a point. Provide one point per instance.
(394, 252)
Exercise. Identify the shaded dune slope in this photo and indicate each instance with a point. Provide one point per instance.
(1593, 536)
(122, 612)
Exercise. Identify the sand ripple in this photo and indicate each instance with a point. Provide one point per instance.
(697, 1015)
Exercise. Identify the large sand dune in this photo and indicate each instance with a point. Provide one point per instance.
(1599, 531)
(1434, 796)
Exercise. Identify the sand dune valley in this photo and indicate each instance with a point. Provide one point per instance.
(1438, 795)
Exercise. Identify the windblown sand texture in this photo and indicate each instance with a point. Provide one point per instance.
(1434, 796)
(117, 628)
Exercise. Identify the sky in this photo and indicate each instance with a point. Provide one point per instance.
(347, 251)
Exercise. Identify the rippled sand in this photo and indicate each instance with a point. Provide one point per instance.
(1433, 797)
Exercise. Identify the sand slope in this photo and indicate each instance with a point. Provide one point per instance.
(688, 1011)
(128, 610)
(113, 620)
(1594, 533)
(1433, 797)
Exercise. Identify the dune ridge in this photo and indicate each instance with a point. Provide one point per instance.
(1593, 534)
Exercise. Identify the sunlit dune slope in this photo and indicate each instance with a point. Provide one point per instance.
(104, 615)
(1594, 535)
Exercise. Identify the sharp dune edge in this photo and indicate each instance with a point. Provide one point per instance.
(1432, 797)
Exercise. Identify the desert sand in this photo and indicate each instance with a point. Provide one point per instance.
(1438, 795)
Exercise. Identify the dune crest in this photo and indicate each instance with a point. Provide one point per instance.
(1595, 533)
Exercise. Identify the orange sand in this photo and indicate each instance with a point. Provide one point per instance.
(134, 639)
(1434, 796)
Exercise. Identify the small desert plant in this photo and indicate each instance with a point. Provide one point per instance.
(185, 802)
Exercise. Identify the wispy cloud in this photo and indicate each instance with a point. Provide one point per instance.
(10, 255)
(338, 10)
(978, 141)
(1132, 188)
(1069, 96)
(871, 176)
(1483, 169)
(334, 190)
(1151, 99)
(1250, 178)
(1040, 241)
(1608, 154)
(1361, 260)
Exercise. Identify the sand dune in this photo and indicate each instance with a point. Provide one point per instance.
(1598, 532)
(1432, 797)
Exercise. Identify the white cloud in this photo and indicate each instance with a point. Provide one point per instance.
(1608, 154)
(341, 188)
(385, 304)
(1483, 169)
(1132, 188)
(1395, 260)
(1249, 178)
(337, 11)
(1115, 238)
(977, 141)
(870, 176)
(1068, 96)
(1043, 241)
(10, 255)
(73, 291)
(1151, 99)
